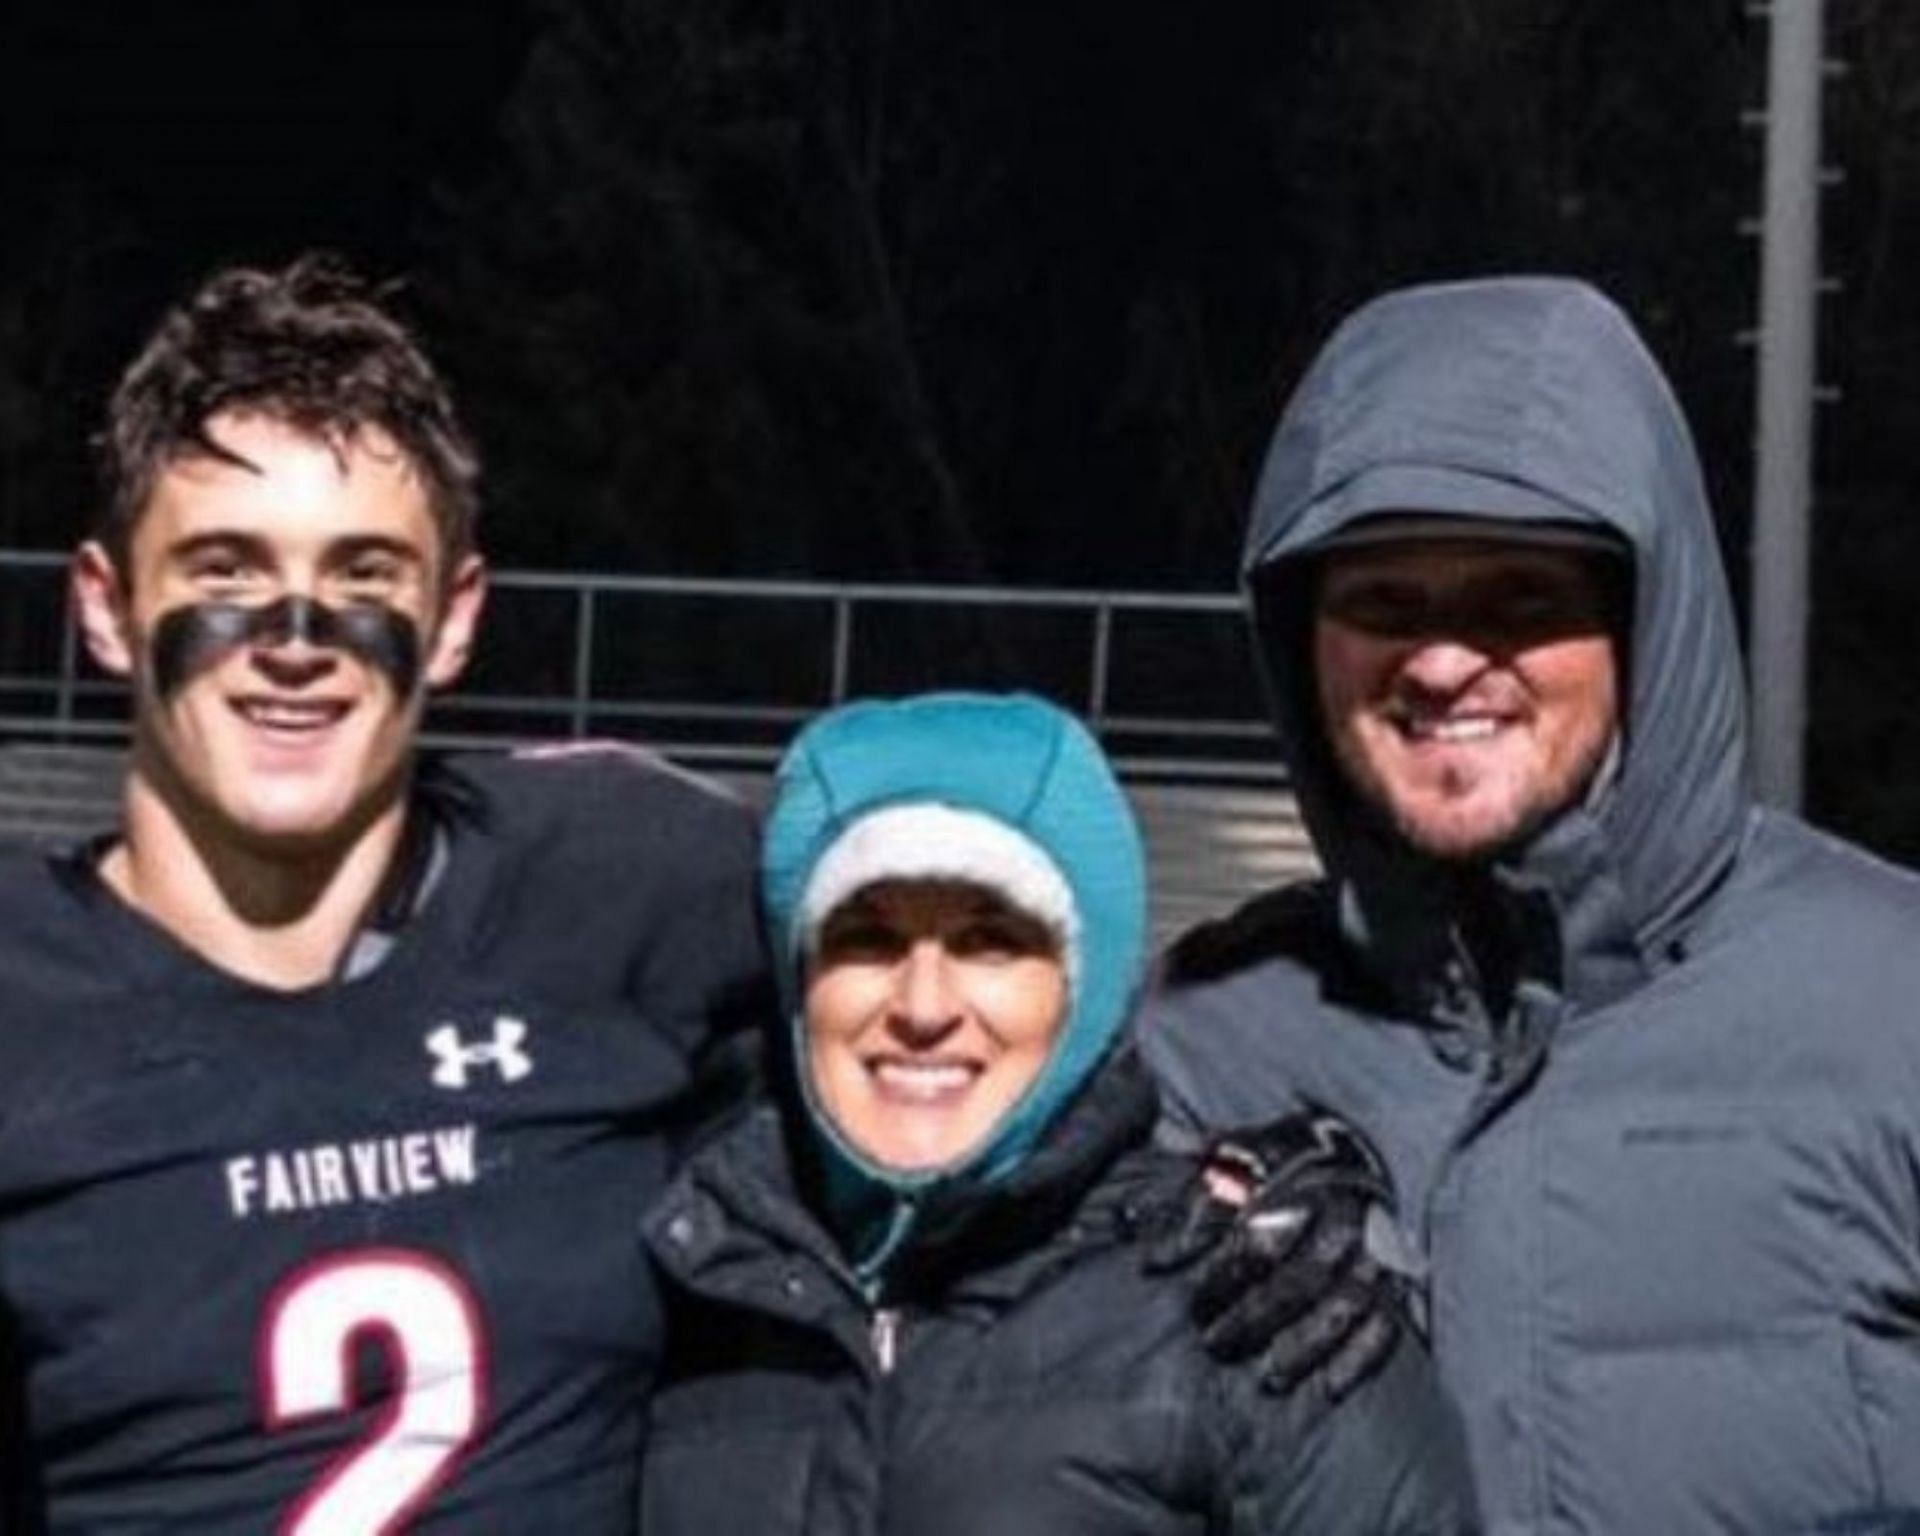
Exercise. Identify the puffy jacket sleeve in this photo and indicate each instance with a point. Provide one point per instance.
(1389, 1460)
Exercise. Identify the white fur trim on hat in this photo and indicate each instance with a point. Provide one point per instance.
(940, 842)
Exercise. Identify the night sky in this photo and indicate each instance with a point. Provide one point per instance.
(243, 129)
(995, 291)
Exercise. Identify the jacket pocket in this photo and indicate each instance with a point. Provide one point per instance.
(707, 1484)
(1700, 1264)
(1744, 1436)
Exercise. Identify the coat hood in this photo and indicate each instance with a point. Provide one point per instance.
(1518, 400)
(1007, 791)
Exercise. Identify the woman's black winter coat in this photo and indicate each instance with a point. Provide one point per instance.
(1018, 1373)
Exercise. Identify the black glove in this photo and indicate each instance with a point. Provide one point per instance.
(1291, 1224)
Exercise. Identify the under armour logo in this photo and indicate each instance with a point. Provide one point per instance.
(505, 1053)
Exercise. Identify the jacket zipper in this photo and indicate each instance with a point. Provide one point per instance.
(884, 1332)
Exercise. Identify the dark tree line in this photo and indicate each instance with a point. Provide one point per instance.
(995, 291)
(1014, 292)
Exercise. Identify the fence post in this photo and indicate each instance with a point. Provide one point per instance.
(583, 662)
(1102, 648)
(842, 646)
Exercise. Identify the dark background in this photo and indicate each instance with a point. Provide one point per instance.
(994, 291)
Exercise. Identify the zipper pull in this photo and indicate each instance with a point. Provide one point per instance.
(884, 1331)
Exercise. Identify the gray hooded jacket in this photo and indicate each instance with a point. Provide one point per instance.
(1665, 1169)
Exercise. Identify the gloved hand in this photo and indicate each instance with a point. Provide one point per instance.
(1300, 1262)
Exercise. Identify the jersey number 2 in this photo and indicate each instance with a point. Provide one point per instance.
(425, 1318)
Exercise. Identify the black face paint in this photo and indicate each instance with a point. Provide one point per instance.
(188, 640)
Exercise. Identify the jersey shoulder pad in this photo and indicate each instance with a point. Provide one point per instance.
(618, 759)
(569, 780)
(39, 913)
(616, 810)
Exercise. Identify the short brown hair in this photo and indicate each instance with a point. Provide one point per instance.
(311, 345)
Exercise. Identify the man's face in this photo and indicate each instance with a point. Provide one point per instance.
(294, 737)
(1469, 688)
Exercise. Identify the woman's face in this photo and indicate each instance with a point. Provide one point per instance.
(931, 1007)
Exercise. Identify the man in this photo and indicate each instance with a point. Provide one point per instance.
(334, 1085)
(332, 1088)
(1642, 1056)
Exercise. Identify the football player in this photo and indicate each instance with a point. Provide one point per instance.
(334, 1082)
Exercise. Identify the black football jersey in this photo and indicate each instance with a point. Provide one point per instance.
(365, 1257)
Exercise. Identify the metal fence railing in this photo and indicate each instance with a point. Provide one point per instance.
(722, 671)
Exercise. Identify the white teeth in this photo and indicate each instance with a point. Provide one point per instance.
(1468, 728)
(923, 1079)
(290, 715)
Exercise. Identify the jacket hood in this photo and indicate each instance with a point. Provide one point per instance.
(1057, 830)
(1518, 400)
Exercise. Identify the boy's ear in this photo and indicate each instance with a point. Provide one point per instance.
(452, 640)
(99, 601)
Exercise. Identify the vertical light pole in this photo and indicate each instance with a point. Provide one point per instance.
(1783, 462)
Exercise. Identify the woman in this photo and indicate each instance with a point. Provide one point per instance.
(908, 1297)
